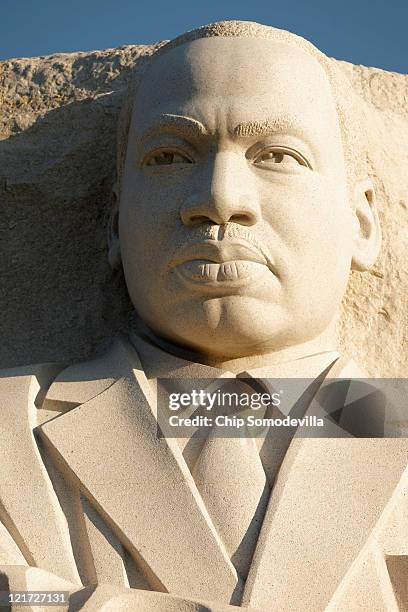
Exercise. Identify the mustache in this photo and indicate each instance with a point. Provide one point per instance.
(224, 236)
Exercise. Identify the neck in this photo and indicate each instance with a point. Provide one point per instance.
(324, 343)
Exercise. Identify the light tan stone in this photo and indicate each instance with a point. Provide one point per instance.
(248, 179)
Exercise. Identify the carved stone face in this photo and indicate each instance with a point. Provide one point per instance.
(235, 228)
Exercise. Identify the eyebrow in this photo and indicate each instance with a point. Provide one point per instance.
(266, 127)
(192, 128)
(175, 123)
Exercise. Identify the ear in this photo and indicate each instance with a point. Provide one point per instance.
(367, 230)
(114, 257)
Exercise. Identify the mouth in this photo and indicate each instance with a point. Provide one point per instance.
(222, 264)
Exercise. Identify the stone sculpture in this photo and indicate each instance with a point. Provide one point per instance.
(242, 202)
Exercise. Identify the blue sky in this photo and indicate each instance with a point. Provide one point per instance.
(370, 32)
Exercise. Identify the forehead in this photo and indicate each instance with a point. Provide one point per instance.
(242, 77)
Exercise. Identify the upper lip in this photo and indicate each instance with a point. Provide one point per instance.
(222, 252)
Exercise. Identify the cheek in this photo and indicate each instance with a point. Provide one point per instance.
(312, 232)
(309, 216)
(142, 227)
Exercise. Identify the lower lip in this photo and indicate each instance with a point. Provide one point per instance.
(230, 274)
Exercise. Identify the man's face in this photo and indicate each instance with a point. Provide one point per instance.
(234, 224)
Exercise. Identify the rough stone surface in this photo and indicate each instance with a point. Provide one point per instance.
(59, 299)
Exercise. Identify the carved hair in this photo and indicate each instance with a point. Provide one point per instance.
(349, 109)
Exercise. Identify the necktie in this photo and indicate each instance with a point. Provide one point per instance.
(232, 482)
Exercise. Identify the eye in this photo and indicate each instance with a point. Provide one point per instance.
(166, 158)
(280, 156)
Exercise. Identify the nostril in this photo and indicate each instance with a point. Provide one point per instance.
(198, 219)
(242, 219)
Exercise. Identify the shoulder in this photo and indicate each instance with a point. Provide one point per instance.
(81, 382)
(28, 383)
(58, 386)
(379, 404)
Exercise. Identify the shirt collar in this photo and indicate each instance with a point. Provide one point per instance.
(160, 363)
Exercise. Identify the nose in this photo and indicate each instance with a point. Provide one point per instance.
(225, 194)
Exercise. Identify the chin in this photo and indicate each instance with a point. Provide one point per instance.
(230, 327)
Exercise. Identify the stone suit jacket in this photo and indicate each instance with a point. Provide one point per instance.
(90, 495)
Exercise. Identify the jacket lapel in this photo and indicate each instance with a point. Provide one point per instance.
(141, 486)
(27, 499)
(327, 498)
